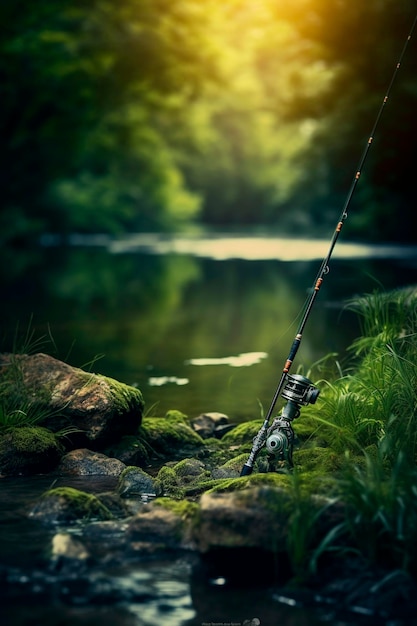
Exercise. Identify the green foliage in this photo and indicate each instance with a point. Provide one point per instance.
(381, 503)
(379, 399)
(371, 415)
(302, 533)
(17, 409)
(149, 115)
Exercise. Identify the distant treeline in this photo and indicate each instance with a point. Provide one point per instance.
(133, 115)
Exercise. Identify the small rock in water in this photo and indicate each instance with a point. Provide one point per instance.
(67, 546)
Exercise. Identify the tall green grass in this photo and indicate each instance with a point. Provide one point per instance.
(17, 407)
(381, 508)
(377, 397)
(369, 414)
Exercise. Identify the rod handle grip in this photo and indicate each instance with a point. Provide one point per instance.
(246, 470)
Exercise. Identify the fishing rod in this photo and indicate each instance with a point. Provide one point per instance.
(299, 390)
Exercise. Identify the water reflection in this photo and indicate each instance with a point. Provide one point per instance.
(226, 247)
(241, 360)
(174, 324)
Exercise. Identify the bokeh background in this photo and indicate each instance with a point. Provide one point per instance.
(132, 115)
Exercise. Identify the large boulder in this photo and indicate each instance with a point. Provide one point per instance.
(99, 408)
(251, 518)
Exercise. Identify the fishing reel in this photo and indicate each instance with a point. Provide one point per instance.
(298, 391)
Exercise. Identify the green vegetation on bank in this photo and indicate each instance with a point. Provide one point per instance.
(151, 115)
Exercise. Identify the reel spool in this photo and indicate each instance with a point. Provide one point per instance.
(298, 391)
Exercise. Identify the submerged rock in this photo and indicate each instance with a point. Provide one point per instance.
(67, 546)
(99, 408)
(65, 505)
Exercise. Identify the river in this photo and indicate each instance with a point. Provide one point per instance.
(198, 324)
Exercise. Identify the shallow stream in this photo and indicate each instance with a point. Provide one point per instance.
(151, 592)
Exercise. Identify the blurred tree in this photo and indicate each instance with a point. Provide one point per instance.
(149, 114)
(360, 48)
(83, 85)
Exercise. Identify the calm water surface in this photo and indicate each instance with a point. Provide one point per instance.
(197, 324)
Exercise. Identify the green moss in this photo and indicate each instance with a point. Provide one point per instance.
(190, 468)
(168, 482)
(124, 397)
(29, 450)
(31, 440)
(244, 482)
(236, 462)
(176, 416)
(162, 434)
(130, 469)
(305, 428)
(323, 460)
(216, 454)
(184, 509)
(243, 433)
(82, 505)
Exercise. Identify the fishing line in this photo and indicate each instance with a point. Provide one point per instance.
(260, 438)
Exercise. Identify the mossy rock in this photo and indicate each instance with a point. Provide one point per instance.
(66, 505)
(95, 408)
(215, 453)
(184, 509)
(29, 450)
(188, 470)
(131, 450)
(175, 481)
(245, 482)
(169, 483)
(172, 439)
(173, 415)
(243, 433)
(162, 526)
(135, 482)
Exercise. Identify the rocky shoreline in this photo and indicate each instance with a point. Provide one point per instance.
(177, 490)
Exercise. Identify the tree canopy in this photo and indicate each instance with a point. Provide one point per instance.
(155, 114)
